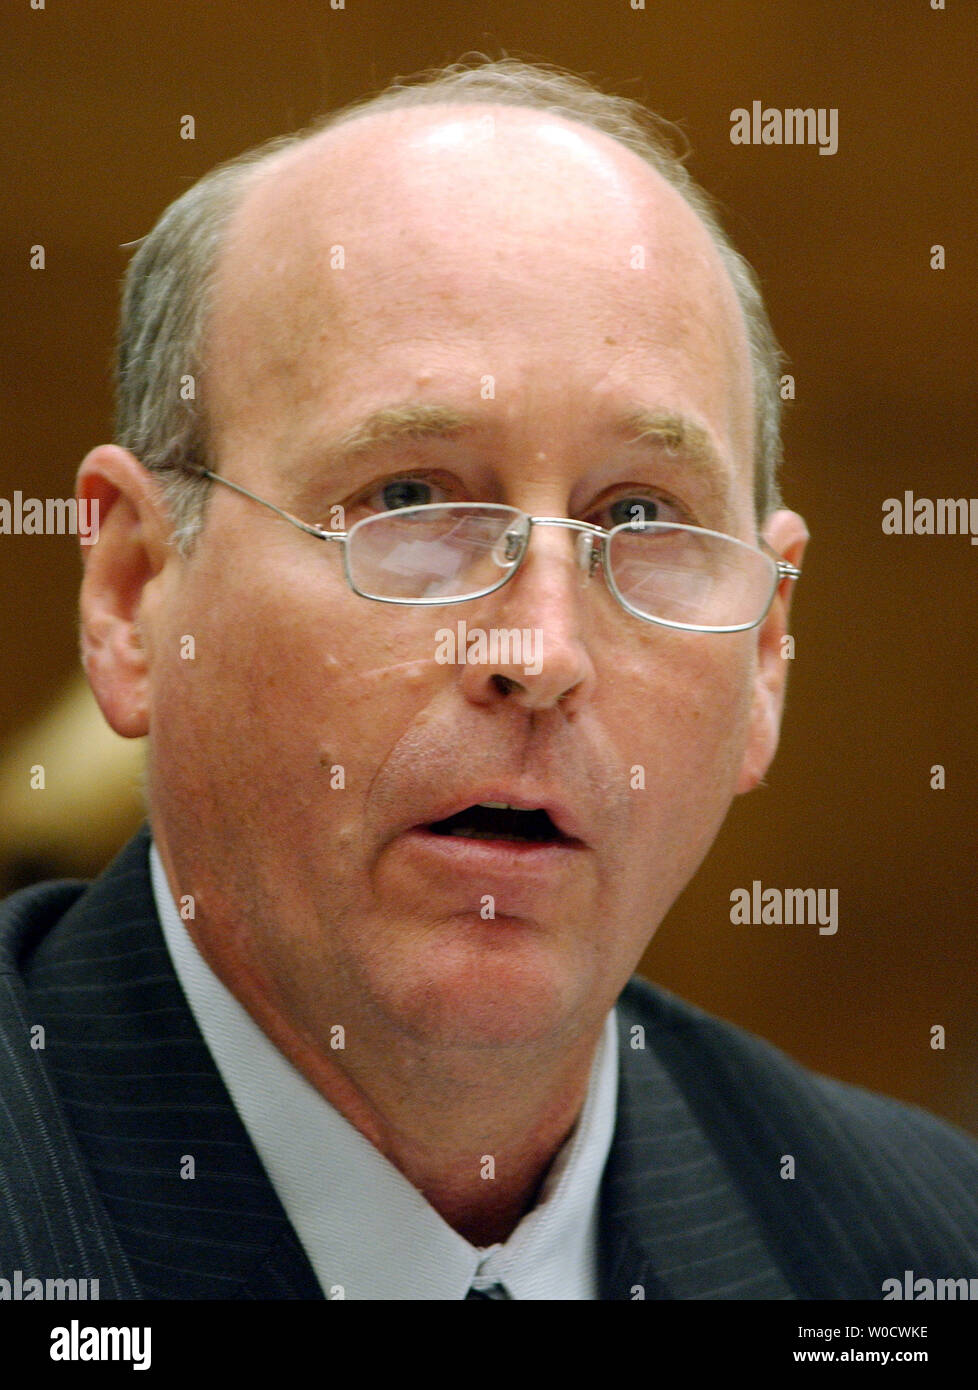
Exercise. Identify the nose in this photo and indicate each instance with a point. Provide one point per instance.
(528, 647)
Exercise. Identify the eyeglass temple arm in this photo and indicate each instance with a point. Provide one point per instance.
(785, 569)
(317, 531)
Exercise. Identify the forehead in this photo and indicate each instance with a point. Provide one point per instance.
(431, 239)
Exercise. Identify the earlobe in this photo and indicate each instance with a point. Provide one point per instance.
(129, 552)
(787, 535)
(762, 742)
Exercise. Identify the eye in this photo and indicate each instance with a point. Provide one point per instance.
(410, 490)
(406, 492)
(635, 508)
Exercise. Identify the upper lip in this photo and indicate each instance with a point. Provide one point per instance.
(560, 812)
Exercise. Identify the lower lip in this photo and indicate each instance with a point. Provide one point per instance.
(464, 855)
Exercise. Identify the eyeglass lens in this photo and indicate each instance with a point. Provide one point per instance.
(415, 553)
(690, 576)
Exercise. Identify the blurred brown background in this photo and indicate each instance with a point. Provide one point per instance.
(881, 346)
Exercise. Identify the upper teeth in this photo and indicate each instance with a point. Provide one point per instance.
(498, 806)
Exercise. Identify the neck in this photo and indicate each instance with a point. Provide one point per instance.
(475, 1137)
(474, 1130)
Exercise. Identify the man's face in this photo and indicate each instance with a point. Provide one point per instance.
(542, 284)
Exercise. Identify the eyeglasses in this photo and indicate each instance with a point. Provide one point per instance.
(451, 552)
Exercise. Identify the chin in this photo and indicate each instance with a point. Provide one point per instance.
(458, 1001)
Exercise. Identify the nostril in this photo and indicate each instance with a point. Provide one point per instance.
(504, 684)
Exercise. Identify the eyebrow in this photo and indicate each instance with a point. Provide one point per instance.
(397, 424)
(686, 438)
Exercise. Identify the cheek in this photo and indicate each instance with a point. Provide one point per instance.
(272, 699)
(685, 697)
(683, 714)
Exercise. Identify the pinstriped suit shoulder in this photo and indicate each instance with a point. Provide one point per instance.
(122, 1094)
(52, 1223)
(879, 1186)
(693, 1203)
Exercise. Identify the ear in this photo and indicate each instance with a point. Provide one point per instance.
(787, 534)
(130, 550)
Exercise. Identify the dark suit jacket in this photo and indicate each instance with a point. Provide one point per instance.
(95, 1126)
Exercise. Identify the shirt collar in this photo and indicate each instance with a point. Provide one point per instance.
(368, 1233)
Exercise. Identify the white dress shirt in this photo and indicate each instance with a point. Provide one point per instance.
(368, 1233)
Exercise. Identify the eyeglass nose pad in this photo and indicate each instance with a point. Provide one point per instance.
(509, 548)
(588, 554)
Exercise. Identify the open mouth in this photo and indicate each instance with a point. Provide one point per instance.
(498, 821)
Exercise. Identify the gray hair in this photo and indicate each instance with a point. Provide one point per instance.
(161, 412)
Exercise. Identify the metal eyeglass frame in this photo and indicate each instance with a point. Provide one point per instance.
(781, 569)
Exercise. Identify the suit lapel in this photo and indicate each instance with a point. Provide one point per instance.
(673, 1224)
(181, 1182)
